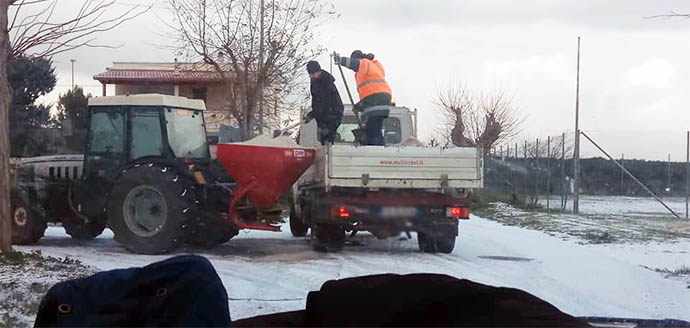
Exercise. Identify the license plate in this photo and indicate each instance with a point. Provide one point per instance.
(398, 211)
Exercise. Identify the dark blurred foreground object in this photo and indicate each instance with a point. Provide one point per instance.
(417, 300)
(180, 291)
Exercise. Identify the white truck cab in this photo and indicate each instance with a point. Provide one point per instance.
(396, 128)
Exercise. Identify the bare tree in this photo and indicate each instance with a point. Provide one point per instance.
(671, 14)
(28, 28)
(5, 101)
(483, 120)
(226, 35)
(35, 32)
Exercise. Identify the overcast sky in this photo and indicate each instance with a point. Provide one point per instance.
(635, 86)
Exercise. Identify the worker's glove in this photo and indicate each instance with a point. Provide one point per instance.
(308, 117)
(357, 108)
(336, 57)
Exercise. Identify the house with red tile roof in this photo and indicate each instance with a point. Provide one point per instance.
(191, 80)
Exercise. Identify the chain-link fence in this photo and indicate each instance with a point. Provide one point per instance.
(539, 173)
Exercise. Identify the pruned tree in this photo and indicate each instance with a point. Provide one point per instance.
(28, 28)
(226, 35)
(484, 120)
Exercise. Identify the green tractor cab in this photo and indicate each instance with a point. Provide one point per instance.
(146, 174)
(124, 129)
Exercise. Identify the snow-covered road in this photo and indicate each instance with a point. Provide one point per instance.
(266, 272)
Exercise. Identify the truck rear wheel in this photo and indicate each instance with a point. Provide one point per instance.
(433, 244)
(297, 226)
(28, 225)
(328, 237)
(148, 209)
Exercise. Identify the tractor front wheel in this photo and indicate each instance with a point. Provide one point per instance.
(28, 225)
(83, 230)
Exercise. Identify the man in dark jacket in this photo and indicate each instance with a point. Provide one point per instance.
(326, 105)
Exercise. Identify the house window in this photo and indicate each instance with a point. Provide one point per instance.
(199, 93)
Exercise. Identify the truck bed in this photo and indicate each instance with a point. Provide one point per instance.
(394, 167)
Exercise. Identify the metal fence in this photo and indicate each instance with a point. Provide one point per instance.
(539, 173)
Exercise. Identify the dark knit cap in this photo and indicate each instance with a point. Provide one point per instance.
(357, 54)
(313, 66)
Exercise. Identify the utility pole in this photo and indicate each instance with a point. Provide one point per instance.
(261, 71)
(516, 151)
(622, 174)
(576, 155)
(73, 61)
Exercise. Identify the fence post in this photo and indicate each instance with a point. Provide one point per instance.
(536, 172)
(668, 172)
(563, 186)
(525, 149)
(548, 173)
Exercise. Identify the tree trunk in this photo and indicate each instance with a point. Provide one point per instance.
(5, 100)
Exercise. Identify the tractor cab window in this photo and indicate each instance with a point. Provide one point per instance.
(186, 133)
(107, 132)
(147, 139)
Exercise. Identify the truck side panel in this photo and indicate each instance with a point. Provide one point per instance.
(394, 167)
(404, 167)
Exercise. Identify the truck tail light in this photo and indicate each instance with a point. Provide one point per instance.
(458, 212)
(341, 212)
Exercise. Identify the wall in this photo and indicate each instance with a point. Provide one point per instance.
(124, 89)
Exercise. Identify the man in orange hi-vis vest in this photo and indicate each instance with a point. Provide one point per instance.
(374, 93)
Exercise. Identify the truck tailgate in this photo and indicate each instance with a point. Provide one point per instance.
(397, 167)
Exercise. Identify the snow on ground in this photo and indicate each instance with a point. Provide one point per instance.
(266, 272)
(25, 278)
(621, 205)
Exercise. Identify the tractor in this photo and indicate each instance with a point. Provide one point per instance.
(146, 174)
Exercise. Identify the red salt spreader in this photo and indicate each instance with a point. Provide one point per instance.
(263, 173)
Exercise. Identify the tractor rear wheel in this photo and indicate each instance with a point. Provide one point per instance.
(28, 225)
(149, 209)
